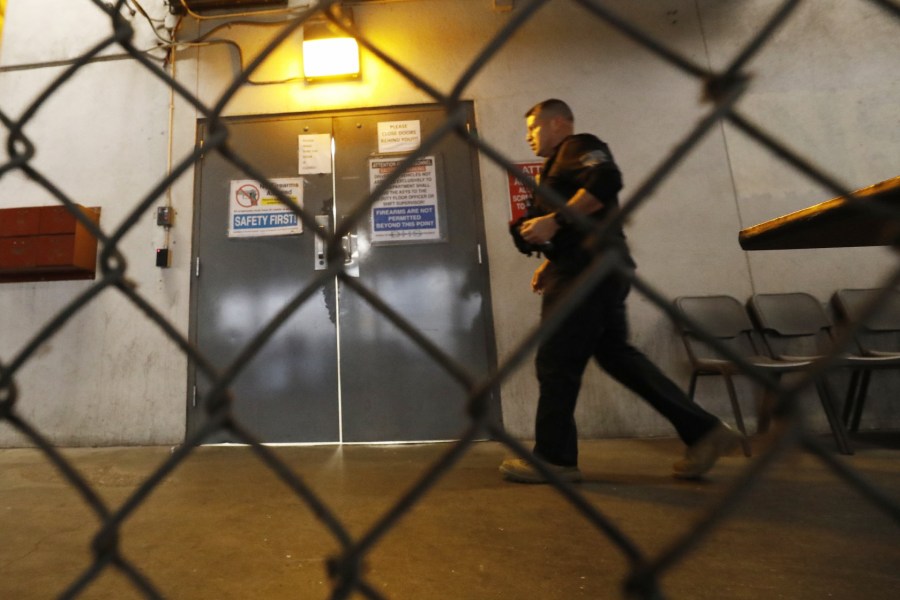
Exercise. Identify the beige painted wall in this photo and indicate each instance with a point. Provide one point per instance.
(825, 86)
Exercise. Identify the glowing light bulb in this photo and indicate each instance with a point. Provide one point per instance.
(330, 57)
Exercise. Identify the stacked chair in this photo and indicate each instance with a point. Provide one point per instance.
(789, 333)
(796, 326)
(876, 315)
(725, 320)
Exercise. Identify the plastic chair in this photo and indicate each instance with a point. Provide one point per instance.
(795, 326)
(723, 318)
(877, 337)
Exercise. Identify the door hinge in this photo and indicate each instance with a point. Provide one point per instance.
(197, 267)
(479, 253)
(194, 398)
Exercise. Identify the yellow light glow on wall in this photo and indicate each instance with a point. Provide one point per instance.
(330, 57)
(2, 12)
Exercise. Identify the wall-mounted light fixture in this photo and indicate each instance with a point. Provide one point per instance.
(328, 52)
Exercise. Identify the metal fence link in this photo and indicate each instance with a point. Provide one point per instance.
(347, 569)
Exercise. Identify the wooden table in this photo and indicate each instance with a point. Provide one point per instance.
(837, 223)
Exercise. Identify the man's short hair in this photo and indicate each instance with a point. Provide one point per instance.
(551, 108)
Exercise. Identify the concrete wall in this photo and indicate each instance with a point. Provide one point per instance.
(825, 86)
(108, 376)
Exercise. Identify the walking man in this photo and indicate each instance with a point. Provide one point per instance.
(581, 169)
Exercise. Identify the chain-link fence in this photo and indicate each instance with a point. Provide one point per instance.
(722, 90)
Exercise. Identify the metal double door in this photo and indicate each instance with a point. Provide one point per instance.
(337, 370)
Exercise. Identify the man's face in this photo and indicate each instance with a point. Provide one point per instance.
(542, 134)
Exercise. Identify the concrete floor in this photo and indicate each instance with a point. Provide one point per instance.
(222, 526)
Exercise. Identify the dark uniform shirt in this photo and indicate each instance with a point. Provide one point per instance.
(581, 161)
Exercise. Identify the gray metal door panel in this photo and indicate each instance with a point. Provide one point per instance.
(385, 388)
(390, 389)
(288, 392)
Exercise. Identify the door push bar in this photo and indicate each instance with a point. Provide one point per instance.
(349, 248)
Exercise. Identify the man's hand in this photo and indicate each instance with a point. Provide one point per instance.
(539, 230)
(537, 280)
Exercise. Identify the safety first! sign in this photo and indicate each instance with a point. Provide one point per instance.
(255, 211)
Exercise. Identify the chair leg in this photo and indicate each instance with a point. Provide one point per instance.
(766, 408)
(852, 397)
(693, 385)
(860, 401)
(738, 417)
(837, 426)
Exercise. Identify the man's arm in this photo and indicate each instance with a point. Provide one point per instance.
(537, 280)
(541, 230)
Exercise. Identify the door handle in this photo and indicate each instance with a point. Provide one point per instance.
(350, 247)
(320, 260)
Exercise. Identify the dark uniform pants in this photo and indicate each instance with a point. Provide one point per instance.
(598, 327)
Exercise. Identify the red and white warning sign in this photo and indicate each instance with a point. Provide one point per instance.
(518, 192)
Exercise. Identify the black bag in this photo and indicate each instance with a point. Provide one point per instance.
(523, 246)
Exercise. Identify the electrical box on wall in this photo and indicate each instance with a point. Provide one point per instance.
(46, 243)
(177, 7)
(163, 258)
(165, 216)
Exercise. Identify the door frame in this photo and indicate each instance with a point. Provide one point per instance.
(192, 404)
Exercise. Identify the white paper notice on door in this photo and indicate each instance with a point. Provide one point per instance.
(408, 210)
(399, 136)
(315, 153)
(255, 211)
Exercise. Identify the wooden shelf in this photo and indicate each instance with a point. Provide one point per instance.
(870, 218)
(46, 243)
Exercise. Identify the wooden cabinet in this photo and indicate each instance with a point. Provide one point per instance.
(46, 243)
